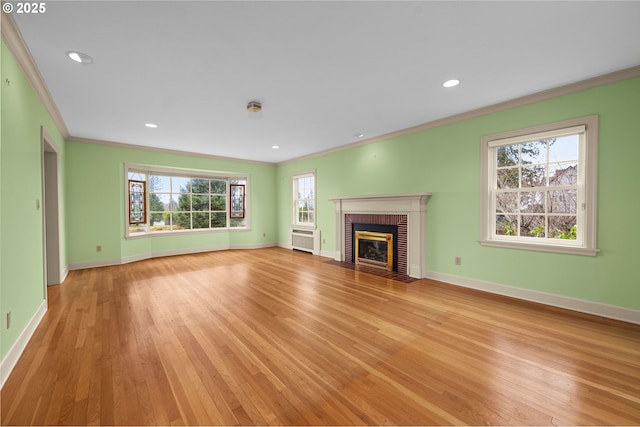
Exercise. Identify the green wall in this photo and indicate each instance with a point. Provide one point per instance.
(446, 162)
(96, 204)
(21, 244)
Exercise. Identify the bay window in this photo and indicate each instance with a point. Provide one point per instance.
(166, 200)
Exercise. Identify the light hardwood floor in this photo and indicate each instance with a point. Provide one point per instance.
(273, 336)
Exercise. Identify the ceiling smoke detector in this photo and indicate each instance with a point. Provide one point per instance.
(254, 107)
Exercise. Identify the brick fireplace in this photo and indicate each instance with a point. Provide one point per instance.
(407, 212)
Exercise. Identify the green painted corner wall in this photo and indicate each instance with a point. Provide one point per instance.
(95, 186)
(445, 161)
(21, 224)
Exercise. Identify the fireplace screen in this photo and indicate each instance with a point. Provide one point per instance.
(374, 249)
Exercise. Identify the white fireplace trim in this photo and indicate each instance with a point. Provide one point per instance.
(413, 205)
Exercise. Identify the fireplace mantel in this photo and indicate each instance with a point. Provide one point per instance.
(413, 205)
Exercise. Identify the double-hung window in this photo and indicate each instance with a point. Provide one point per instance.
(166, 200)
(304, 198)
(539, 188)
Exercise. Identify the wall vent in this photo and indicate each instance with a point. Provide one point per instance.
(305, 240)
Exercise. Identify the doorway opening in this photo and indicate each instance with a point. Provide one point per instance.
(50, 211)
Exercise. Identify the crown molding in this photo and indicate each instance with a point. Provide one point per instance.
(16, 44)
(605, 79)
(164, 150)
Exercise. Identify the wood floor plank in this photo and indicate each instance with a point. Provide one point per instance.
(278, 337)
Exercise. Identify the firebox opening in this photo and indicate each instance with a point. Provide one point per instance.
(374, 249)
(375, 245)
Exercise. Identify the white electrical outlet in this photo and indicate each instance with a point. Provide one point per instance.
(458, 260)
(99, 248)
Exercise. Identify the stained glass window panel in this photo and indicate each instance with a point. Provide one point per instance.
(137, 205)
(237, 200)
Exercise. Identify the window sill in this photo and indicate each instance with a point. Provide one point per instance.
(541, 247)
(183, 232)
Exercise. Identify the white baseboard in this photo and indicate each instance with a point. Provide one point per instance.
(330, 254)
(93, 264)
(130, 259)
(575, 304)
(157, 254)
(64, 274)
(9, 361)
(187, 251)
(254, 246)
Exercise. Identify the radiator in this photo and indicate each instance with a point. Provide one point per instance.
(305, 240)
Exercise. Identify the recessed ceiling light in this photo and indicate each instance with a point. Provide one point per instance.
(80, 57)
(451, 83)
(360, 135)
(275, 147)
(151, 125)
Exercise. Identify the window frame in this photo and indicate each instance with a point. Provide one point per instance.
(190, 174)
(295, 177)
(585, 243)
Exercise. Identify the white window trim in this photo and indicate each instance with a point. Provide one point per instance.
(294, 210)
(588, 159)
(189, 173)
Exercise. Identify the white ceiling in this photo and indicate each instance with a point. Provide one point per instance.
(324, 70)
